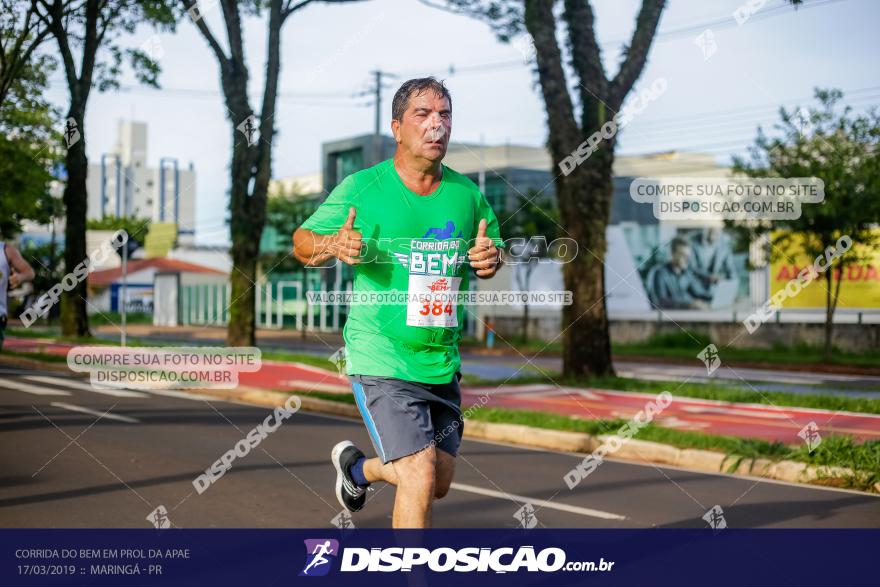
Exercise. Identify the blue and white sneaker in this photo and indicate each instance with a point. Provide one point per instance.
(350, 495)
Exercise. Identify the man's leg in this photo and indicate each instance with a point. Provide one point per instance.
(445, 472)
(374, 470)
(416, 475)
(420, 476)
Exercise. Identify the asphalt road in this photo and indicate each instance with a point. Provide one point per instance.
(73, 457)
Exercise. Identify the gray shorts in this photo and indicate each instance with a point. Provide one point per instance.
(404, 417)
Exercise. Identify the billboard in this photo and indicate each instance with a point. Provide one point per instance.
(667, 268)
(859, 282)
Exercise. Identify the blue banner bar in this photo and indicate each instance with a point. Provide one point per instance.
(466, 557)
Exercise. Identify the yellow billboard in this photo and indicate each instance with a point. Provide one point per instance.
(859, 288)
(161, 238)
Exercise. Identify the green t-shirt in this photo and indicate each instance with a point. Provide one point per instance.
(414, 244)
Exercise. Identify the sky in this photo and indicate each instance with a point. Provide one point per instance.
(713, 103)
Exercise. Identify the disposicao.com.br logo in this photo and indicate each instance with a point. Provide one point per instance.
(441, 560)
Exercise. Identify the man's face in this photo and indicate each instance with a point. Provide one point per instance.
(681, 257)
(426, 125)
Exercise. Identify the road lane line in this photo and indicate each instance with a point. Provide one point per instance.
(91, 412)
(190, 396)
(538, 502)
(33, 389)
(75, 384)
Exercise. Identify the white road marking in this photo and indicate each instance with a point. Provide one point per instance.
(18, 386)
(96, 413)
(673, 422)
(539, 502)
(186, 395)
(76, 384)
(731, 411)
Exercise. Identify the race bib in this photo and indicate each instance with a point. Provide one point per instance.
(434, 282)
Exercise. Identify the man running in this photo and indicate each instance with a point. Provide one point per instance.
(319, 552)
(14, 271)
(424, 224)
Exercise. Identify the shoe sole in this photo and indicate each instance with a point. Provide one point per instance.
(334, 458)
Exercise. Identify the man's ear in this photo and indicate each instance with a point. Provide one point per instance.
(395, 130)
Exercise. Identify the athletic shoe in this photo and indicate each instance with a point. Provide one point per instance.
(349, 494)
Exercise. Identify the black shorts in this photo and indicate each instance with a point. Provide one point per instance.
(404, 417)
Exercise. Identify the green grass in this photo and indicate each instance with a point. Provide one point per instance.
(686, 345)
(115, 318)
(37, 356)
(312, 360)
(834, 451)
(713, 391)
(53, 332)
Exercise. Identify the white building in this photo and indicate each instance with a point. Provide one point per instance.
(121, 184)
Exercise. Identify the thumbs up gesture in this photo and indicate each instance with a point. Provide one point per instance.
(347, 242)
(484, 256)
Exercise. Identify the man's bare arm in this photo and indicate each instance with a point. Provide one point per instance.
(313, 249)
(21, 269)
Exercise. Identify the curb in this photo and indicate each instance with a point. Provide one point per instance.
(578, 442)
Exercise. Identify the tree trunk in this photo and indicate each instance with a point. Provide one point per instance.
(585, 203)
(241, 330)
(74, 317)
(830, 307)
(525, 323)
(251, 171)
(242, 318)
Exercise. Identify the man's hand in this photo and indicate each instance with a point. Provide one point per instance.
(347, 241)
(484, 256)
(14, 280)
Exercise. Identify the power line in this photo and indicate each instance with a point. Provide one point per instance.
(771, 107)
(718, 23)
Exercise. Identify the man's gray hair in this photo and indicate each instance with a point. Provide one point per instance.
(416, 86)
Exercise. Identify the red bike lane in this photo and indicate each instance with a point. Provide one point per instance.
(767, 422)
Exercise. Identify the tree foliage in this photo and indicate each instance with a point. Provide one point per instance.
(28, 149)
(827, 141)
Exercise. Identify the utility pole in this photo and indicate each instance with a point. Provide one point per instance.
(378, 74)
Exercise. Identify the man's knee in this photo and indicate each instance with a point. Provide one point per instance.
(417, 471)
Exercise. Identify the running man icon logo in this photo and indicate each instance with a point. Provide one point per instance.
(443, 232)
(248, 127)
(707, 44)
(159, 518)
(320, 553)
(715, 518)
(526, 516)
(71, 132)
(810, 435)
(710, 358)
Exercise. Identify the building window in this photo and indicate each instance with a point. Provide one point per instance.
(348, 162)
(496, 193)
